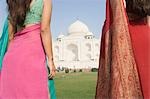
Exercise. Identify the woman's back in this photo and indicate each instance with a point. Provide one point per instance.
(24, 73)
(139, 31)
(34, 15)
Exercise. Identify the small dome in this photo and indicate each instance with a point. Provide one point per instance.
(60, 36)
(89, 33)
(78, 27)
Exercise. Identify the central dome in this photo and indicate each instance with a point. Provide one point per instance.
(78, 27)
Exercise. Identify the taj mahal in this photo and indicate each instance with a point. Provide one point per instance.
(79, 49)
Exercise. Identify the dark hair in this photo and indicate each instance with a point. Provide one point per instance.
(17, 11)
(139, 8)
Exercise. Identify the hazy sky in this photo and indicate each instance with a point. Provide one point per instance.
(65, 12)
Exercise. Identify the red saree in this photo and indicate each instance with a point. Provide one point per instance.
(118, 75)
(140, 36)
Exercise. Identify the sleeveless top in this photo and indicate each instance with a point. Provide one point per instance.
(34, 15)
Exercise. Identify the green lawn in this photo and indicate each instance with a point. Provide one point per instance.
(76, 85)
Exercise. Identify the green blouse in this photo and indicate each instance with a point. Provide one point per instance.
(35, 13)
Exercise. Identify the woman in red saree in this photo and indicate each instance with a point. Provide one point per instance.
(139, 16)
(123, 64)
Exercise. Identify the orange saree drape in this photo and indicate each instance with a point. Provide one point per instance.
(118, 75)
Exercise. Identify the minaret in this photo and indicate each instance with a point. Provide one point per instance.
(60, 36)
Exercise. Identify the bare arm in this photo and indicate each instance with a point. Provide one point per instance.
(46, 33)
(10, 32)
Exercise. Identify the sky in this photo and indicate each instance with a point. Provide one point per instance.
(3, 13)
(65, 12)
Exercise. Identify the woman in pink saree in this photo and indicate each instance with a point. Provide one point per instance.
(24, 72)
(123, 65)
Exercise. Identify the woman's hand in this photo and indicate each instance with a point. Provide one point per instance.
(52, 69)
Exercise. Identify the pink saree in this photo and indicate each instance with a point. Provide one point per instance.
(118, 75)
(24, 73)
